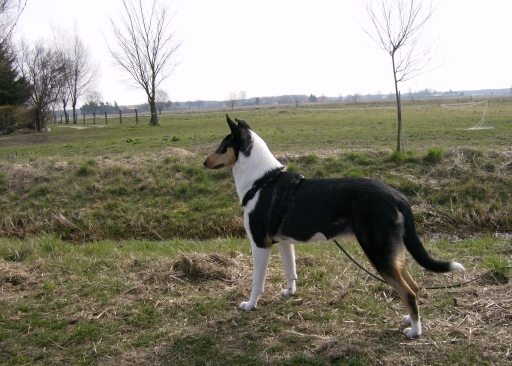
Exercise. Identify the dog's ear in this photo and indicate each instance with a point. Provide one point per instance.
(243, 124)
(235, 130)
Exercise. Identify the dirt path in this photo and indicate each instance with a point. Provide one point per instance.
(76, 127)
(31, 139)
(28, 140)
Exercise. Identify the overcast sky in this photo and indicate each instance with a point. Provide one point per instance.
(276, 47)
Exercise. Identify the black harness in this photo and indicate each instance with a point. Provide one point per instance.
(267, 178)
(260, 183)
(267, 219)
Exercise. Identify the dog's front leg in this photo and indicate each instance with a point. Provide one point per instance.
(261, 257)
(287, 252)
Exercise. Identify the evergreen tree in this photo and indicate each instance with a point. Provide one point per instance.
(14, 89)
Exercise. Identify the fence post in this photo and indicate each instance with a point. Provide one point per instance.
(136, 116)
(94, 117)
(61, 119)
(106, 120)
(84, 117)
(120, 117)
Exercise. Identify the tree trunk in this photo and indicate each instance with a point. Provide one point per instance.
(74, 115)
(399, 142)
(37, 120)
(154, 115)
(64, 104)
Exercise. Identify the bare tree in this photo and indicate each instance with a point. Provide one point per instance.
(147, 46)
(161, 100)
(44, 70)
(63, 96)
(93, 99)
(10, 12)
(397, 26)
(81, 71)
(232, 99)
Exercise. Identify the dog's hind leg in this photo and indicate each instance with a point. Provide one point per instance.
(400, 279)
(261, 257)
(287, 252)
(415, 288)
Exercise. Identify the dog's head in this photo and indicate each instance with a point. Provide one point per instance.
(238, 141)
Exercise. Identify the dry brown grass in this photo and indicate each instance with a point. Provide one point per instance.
(112, 305)
(169, 194)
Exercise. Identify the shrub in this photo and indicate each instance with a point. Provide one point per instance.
(311, 159)
(360, 158)
(397, 157)
(84, 170)
(434, 155)
(13, 118)
(319, 173)
(292, 167)
(7, 118)
(356, 173)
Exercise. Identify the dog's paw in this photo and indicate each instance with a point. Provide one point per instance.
(287, 293)
(415, 329)
(411, 333)
(247, 306)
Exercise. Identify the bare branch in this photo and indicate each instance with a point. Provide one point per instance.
(162, 100)
(43, 68)
(146, 45)
(81, 72)
(397, 27)
(10, 12)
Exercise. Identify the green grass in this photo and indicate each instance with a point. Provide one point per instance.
(168, 193)
(110, 249)
(134, 302)
(102, 183)
(434, 155)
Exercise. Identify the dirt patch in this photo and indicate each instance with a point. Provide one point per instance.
(29, 140)
(81, 127)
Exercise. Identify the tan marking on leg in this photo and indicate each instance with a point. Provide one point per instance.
(401, 284)
(410, 281)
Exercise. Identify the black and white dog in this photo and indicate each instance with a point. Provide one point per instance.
(284, 208)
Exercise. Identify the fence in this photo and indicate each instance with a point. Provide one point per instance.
(101, 118)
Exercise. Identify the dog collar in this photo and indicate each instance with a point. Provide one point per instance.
(260, 183)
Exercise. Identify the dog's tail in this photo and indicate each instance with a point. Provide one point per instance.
(415, 247)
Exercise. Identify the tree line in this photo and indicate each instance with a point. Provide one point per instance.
(43, 74)
(53, 74)
(48, 75)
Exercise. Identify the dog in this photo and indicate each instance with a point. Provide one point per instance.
(284, 208)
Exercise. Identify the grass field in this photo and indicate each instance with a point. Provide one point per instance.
(118, 247)
(175, 303)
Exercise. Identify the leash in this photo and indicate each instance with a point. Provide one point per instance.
(425, 288)
(356, 263)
